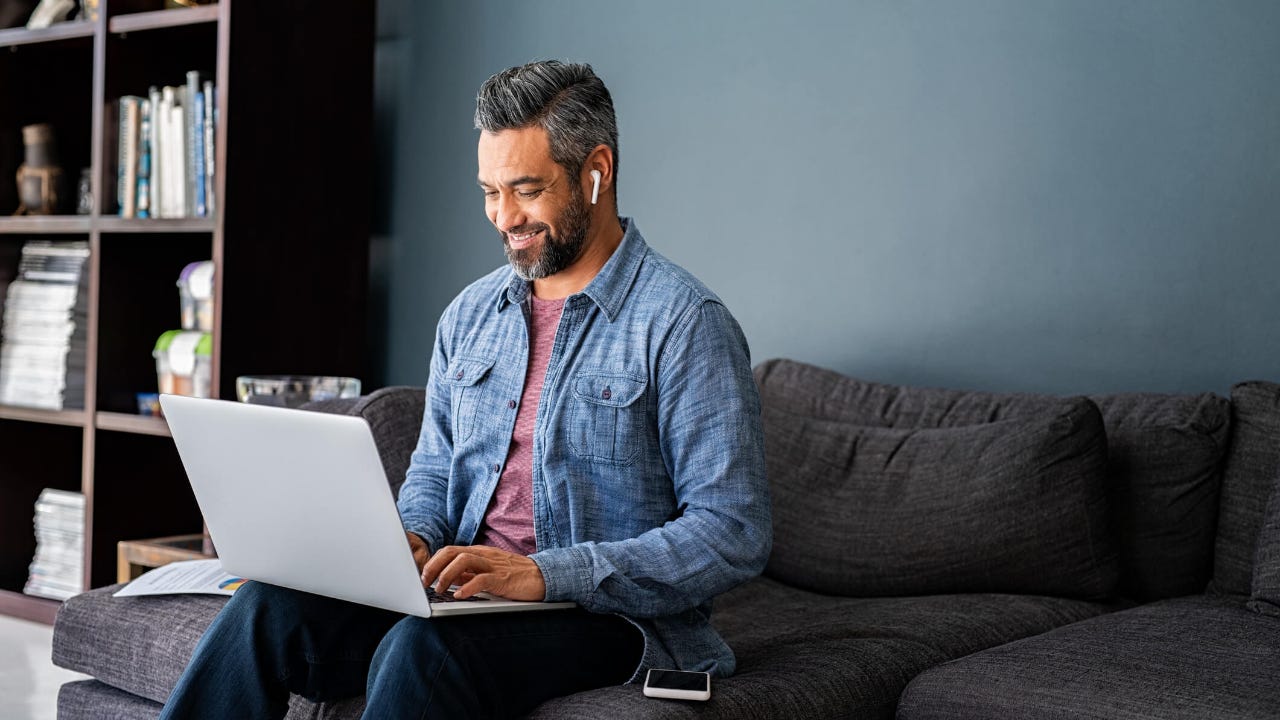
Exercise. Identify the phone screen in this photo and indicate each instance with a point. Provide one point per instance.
(679, 680)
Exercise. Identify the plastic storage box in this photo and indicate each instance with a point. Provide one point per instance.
(183, 363)
(195, 291)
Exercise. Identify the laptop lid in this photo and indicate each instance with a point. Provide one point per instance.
(297, 499)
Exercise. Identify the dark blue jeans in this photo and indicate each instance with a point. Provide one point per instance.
(269, 641)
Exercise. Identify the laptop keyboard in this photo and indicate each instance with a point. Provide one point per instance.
(447, 597)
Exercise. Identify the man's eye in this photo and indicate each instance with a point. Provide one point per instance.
(529, 194)
(491, 193)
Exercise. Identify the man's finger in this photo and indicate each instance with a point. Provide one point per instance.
(464, 563)
(438, 562)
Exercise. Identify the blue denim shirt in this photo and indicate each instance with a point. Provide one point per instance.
(649, 489)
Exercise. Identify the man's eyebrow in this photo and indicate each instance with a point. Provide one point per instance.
(522, 180)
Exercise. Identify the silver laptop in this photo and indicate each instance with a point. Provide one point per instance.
(299, 499)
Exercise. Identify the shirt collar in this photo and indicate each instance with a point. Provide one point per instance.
(608, 289)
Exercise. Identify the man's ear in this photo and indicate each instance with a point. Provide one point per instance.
(599, 160)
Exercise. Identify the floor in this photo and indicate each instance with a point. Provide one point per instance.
(28, 679)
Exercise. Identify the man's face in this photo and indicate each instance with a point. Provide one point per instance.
(538, 210)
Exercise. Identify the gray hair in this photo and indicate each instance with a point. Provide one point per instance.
(565, 99)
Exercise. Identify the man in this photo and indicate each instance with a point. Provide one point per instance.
(591, 434)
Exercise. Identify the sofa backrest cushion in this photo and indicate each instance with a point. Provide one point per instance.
(1266, 566)
(394, 415)
(1253, 461)
(1165, 455)
(1013, 505)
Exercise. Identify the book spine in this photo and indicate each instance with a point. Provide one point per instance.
(201, 210)
(209, 100)
(126, 145)
(177, 156)
(155, 186)
(189, 133)
(144, 160)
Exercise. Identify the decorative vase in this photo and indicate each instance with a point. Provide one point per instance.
(39, 176)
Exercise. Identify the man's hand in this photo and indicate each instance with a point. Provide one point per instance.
(421, 553)
(485, 569)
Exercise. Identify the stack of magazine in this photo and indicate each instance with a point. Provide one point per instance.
(58, 568)
(43, 334)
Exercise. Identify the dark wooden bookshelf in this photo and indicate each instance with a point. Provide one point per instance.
(289, 237)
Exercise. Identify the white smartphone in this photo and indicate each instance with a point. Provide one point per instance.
(678, 685)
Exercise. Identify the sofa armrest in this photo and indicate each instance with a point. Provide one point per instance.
(395, 416)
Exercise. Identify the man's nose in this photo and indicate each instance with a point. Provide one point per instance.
(509, 213)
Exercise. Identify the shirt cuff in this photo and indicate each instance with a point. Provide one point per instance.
(566, 573)
(423, 530)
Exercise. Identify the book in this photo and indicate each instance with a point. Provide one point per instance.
(198, 173)
(209, 125)
(193, 152)
(144, 160)
(127, 155)
(154, 184)
(175, 155)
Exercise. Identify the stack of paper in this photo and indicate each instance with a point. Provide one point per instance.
(42, 353)
(58, 568)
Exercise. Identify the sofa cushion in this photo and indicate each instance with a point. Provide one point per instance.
(1253, 462)
(801, 654)
(1197, 657)
(1266, 566)
(139, 645)
(1013, 506)
(94, 700)
(1164, 463)
(394, 415)
(1164, 457)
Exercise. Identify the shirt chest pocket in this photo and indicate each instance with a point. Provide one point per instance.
(465, 378)
(608, 419)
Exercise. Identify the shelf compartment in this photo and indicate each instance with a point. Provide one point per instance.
(137, 424)
(13, 37)
(48, 83)
(140, 491)
(36, 456)
(157, 19)
(139, 272)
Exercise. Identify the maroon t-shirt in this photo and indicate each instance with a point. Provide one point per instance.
(508, 522)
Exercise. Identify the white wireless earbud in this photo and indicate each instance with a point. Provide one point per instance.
(595, 185)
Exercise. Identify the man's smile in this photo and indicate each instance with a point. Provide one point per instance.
(520, 241)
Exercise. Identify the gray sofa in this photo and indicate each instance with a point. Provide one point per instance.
(937, 554)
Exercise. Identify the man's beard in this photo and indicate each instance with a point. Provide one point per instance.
(555, 254)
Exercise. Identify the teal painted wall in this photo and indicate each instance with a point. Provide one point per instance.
(1066, 196)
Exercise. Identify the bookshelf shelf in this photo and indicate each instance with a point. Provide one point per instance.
(52, 224)
(137, 424)
(288, 237)
(73, 418)
(154, 225)
(13, 37)
(156, 19)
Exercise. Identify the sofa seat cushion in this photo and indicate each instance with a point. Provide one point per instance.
(1195, 657)
(802, 654)
(139, 645)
